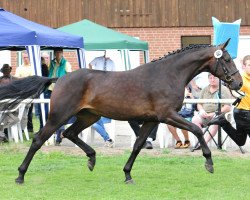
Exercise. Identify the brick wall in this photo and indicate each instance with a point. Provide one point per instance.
(161, 40)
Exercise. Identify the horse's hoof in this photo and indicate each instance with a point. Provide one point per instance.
(90, 165)
(19, 181)
(130, 181)
(209, 168)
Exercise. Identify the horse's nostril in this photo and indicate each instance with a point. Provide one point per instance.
(241, 83)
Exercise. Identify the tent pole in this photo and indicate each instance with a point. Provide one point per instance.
(35, 61)
(146, 56)
(81, 58)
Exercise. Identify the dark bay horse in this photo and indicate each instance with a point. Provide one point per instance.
(152, 93)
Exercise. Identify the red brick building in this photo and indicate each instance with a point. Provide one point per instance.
(165, 24)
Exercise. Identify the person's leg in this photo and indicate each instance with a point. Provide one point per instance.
(153, 133)
(173, 131)
(39, 113)
(99, 127)
(198, 121)
(213, 130)
(242, 120)
(47, 95)
(30, 115)
(187, 141)
(59, 135)
(3, 138)
(151, 138)
(238, 135)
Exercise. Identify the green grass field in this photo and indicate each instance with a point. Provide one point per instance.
(56, 175)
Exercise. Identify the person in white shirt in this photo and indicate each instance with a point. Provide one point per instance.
(103, 63)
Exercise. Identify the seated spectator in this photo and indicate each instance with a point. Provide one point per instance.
(187, 112)
(7, 119)
(99, 127)
(135, 125)
(207, 110)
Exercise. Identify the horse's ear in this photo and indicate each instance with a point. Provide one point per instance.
(225, 44)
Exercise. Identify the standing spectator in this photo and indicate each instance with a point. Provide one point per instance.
(10, 118)
(59, 67)
(45, 73)
(187, 112)
(46, 58)
(103, 63)
(207, 110)
(21, 72)
(241, 111)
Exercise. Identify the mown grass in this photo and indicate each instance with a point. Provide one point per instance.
(55, 175)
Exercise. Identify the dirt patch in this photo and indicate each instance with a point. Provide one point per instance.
(153, 152)
(120, 151)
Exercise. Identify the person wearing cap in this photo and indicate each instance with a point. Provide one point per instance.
(59, 67)
(7, 77)
(103, 63)
(10, 118)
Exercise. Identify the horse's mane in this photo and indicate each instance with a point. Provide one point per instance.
(188, 48)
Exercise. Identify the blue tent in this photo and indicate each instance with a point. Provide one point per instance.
(18, 32)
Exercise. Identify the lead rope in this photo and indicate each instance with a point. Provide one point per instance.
(238, 99)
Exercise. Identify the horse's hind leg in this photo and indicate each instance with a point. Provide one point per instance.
(83, 121)
(144, 132)
(181, 123)
(38, 140)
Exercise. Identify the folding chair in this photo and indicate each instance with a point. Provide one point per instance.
(206, 130)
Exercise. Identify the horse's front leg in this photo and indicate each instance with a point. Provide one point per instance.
(72, 134)
(144, 132)
(179, 122)
(39, 139)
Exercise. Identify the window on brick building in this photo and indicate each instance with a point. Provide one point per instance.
(191, 40)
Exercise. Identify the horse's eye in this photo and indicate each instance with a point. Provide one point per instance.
(227, 59)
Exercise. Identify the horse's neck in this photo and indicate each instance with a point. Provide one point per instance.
(192, 68)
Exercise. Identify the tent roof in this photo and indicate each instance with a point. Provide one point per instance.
(97, 37)
(16, 32)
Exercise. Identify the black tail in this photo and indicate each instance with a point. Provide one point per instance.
(30, 87)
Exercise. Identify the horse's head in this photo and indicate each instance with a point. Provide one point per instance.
(224, 67)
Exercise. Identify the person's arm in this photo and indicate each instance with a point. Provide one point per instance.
(225, 108)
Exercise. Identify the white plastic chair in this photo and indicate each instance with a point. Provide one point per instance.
(15, 131)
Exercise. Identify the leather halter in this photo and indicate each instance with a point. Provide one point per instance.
(228, 77)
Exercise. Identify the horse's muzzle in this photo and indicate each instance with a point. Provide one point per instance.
(235, 85)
